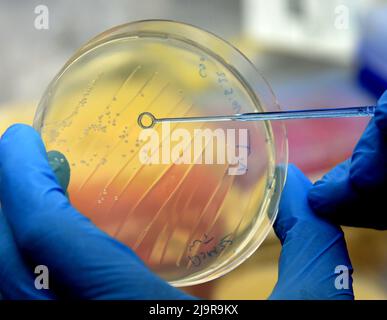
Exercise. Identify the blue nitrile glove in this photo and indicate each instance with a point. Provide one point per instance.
(313, 250)
(40, 227)
(354, 192)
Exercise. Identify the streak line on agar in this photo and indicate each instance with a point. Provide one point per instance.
(128, 183)
(142, 236)
(144, 233)
(150, 187)
(88, 178)
(160, 176)
(178, 217)
(110, 151)
(85, 93)
(139, 92)
(185, 209)
(130, 76)
(219, 211)
(134, 155)
(201, 215)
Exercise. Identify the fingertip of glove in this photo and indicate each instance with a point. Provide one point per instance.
(19, 130)
(381, 113)
(26, 173)
(295, 175)
(320, 198)
(20, 139)
(325, 193)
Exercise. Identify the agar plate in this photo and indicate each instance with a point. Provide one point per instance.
(193, 200)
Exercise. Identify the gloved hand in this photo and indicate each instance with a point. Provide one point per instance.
(38, 226)
(353, 193)
(312, 248)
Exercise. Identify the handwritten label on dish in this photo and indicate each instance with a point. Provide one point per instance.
(215, 248)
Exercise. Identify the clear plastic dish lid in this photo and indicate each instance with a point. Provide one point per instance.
(193, 200)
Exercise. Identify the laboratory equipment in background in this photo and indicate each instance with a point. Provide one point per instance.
(315, 29)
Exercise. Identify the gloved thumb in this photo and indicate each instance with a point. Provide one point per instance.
(84, 261)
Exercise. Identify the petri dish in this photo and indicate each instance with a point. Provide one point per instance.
(191, 219)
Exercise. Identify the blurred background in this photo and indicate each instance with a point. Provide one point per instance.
(314, 54)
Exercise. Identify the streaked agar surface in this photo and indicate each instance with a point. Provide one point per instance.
(189, 222)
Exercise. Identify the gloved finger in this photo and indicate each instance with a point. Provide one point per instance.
(333, 195)
(381, 113)
(312, 248)
(291, 212)
(357, 185)
(368, 171)
(82, 259)
(17, 280)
